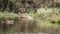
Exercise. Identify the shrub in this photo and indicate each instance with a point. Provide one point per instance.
(4, 15)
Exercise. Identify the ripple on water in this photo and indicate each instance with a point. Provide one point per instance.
(32, 33)
(27, 33)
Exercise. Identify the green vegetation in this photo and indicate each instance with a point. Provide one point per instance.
(4, 15)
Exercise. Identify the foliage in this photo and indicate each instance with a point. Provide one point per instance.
(4, 15)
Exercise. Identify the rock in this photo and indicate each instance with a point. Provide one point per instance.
(26, 18)
(8, 22)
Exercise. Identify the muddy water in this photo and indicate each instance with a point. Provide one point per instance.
(48, 30)
(20, 25)
(29, 33)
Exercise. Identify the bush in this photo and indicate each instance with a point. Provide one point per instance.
(4, 15)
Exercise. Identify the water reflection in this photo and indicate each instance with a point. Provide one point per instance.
(28, 33)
